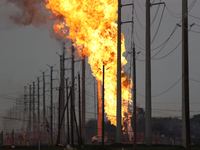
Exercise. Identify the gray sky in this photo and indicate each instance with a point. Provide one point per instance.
(27, 49)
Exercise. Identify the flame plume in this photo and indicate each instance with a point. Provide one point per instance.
(92, 28)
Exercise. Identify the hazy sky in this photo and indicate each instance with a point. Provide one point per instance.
(25, 50)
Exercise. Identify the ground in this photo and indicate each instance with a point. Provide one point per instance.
(104, 148)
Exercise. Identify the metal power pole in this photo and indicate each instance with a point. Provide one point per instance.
(148, 126)
(38, 96)
(60, 98)
(68, 139)
(72, 99)
(62, 95)
(34, 107)
(79, 97)
(29, 120)
(83, 97)
(185, 78)
(44, 111)
(134, 100)
(119, 126)
(25, 106)
(51, 101)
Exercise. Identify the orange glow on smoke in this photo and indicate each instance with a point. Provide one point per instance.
(91, 25)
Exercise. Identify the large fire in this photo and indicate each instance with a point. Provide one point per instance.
(91, 26)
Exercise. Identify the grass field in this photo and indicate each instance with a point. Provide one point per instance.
(103, 148)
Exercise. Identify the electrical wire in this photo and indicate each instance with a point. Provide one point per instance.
(172, 13)
(89, 83)
(167, 54)
(138, 39)
(165, 42)
(163, 91)
(191, 5)
(193, 16)
(194, 80)
(155, 15)
(158, 25)
(161, 45)
(141, 7)
(176, 15)
(139, 20)
(195, 31)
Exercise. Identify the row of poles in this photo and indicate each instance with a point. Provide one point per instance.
(62, 103)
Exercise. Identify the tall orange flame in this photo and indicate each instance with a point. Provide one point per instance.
(91, 25)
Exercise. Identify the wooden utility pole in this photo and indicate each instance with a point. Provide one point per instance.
(72, 98)
(134, 101)
(38, 96)
(34, 121)
(29, 120)
(83, 97)
(119, 125)
(44, 108)
(51, 101)
(79, 97)
(59, 117)
(148, 125)
(185, 78)
(62, 95)
(25, 107)
(62, 98)
(68, 133)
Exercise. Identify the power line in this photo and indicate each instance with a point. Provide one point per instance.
(158, 24)
(154, 18)
(163, 91)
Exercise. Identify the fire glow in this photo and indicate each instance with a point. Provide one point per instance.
(91, 26)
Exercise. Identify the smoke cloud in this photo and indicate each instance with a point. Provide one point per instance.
(30, 12)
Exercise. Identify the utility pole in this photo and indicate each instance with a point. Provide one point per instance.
(62, 85)
(79, 97)
(72, 99)
(38, 124)
(34, 121)
(54, 113)
(83, 97)
(119, 126)
(44, 111)
(59, 117)
(25, 107)
(68, 134)
(29, 120)
(62, 95)
(72, 121)
(60, 98)
(51, 101)
(134, 100)
(148, 125)
(103, 108)
(185, 78)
